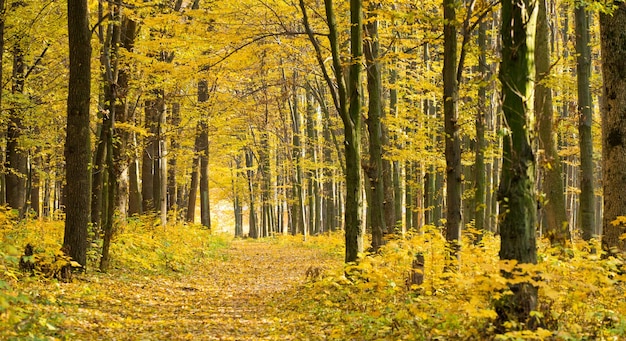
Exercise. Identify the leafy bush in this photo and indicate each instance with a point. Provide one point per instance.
(580, 294)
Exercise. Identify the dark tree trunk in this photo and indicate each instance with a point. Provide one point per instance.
(516, 194)
(203, 152)
(452, 140)
(376, 209)
(77, 193)
(585, 121)
(613, 35)
(149, 159)
(16, 158)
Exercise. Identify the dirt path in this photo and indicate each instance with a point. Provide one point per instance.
(228, 299)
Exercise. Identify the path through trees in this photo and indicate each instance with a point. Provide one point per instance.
(232, 298)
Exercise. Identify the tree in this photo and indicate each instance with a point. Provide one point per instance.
(77, 145)
(347, 101)
(556, 227)
(516, 195)
(376, 208)
(451, 117)
(613, 46)
(585, 120)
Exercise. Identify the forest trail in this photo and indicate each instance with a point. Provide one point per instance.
(232, 298)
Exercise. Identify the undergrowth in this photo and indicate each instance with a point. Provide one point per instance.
(137, 249)
(581, 295)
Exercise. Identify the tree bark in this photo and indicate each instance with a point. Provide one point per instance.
(585, 120)
(557, 228)
(613, 45)
(352, 129)
(203, 151)
(77, 193)
(347, 101)
(16, 159)
(516, 194)
(376, 208)
(452, 140)
(480, 178)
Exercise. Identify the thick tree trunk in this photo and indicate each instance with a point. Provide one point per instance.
(452, 140)
(77, 193)
(613, 36)
(556, 228)
(585, 121)
(16, 158)
(376, 208)
(516, 193)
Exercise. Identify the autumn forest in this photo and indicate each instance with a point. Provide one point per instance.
(312, 170)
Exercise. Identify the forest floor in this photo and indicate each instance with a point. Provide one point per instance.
(235, 296)
(186, 283)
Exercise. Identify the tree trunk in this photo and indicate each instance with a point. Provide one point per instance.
(556, 228)
(376, 208)
(203, 151)
(237, 206)
(352, 129)
(3, 187)
(172, 184)
(77, 193)
(347, 101)
(516, 193)
(149, 158)
(480, 178)
(585, 120)
(299, 225)
(193, 187)
(253, 231)
(613, 36)
(452, 141)
(16, 158)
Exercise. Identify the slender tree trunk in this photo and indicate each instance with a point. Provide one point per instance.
(396, 167)
(613, 36)
(352, 129)
(480, 177)
(252, 220)
(77, 191)
(516, 194)
(205, 207)
(149, 159)
(172, 184)
(585, 120)
(237, 206)
(3, 187)
(193, 187)
(296, 152)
